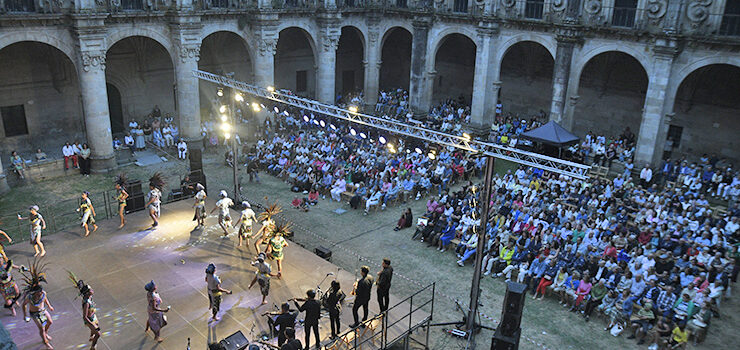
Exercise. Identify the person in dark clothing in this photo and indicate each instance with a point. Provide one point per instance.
(333, 303)
(285, 319)
(312, 308)
(384, 284)
(405, 221)
(292, 343)
(363, 287)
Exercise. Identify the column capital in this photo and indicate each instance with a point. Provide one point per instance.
(666, 48)
(329, 43)
(93, 59)
(422, 22)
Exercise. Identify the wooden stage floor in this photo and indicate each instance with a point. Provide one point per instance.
(117, 264)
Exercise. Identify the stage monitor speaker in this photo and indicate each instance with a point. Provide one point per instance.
(135, 201)
(502, 342)
(198, 177)
(323, 252)
(196, 160)
(513, 307)
(236, 341)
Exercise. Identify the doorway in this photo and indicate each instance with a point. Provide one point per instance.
(115, 109)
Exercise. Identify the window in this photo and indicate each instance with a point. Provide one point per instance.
(533, 9)
(460, 6)
(624, 13)
(132, 4)
(731, 20)
(301, 81)
(19, 6)
(14, 120)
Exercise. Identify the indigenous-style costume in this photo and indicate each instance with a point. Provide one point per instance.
(33, 279)
(8, 287)
(155, 194)
(223, 205)
(277, 242)
(263, 274)
(35, 220)
(83, 289)
(120, 195)
(214, 291)
(156, 318)
(200, 203)
(86, 212)
(246, 220)
(40, 315)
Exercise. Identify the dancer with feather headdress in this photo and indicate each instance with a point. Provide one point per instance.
(154, 197)
(121, 196)
(37, 224)
(87, 213)
(88, 309)
(268, 224)
(36, 301)
(277, 242)
(8, 288)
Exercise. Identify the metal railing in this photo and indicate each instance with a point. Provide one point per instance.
(730, 25)
(623, 17)
(534, 9)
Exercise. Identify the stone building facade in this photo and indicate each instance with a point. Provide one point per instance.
(667, 69)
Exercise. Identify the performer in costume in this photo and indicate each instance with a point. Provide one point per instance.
(121, 196)
(156, 319)
(276, 244)
(200, 205)
(87, 213)
(268, 224)
(154, 197)
(2, 247)
(37, 302)
(214, 291)
(89, 317)
(224, 217)
(8, 287)
(262, 275)
(37, 224)
(246, 220)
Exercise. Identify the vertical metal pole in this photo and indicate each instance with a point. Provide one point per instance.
(237, 196)
(485, 199)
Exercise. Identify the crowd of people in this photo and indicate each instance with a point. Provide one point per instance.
(155, 128)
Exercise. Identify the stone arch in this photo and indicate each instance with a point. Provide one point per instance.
(586, 56)
(213, 29)
(442, 36)
(395, 62)
(681, 73)
(386, 32)
(118, 35)
(360, 33)
(525, 66)
(454, 65)
(307, 30)
(349, 75)
(65, 45)
(548, 43)
(296, 61)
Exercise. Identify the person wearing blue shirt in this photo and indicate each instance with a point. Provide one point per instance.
(536, 271)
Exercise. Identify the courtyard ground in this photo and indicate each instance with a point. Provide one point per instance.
(357, 240)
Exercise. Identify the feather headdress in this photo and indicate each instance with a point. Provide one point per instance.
(271, 210)
(282, 228)
(157, 181)
(82, 288)
(121, 179)
(34, 276)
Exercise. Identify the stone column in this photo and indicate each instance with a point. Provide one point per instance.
(3, 180)
(264, 62)
(327, 66)
(485, 82)
(372, 63)
(649, 145)
(95, 106)
(560, 77)
(417, 86)
(185, 31)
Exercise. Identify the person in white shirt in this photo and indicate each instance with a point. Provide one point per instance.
(182, 149)
(339, 187)
(167, 134)
(128, 140)
(645, 176)
(69, 154)
(223, 205)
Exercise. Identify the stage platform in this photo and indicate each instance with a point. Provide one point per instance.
(117, 264)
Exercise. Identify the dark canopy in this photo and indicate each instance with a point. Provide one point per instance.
(552, 134)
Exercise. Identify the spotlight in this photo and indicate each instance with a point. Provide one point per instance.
(270, 89)
(305, 118)
(417, 150)
(431, 156)
(238, 97)
(256, 107)
(262, 106)
(224, 117)
(316, 122)
(227, 136)
(277, 110)
(352, 131)
(362, 134)
(353, 109)
(390, 145)
(322, 123)
(382, 140)
(286, 113)
(226, 127)
(333, 127)
(222, 109)
(392, 150)
(220, 92)
(466, 136)
(408, 151)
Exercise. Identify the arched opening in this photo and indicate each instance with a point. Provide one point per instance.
(707, 103)
(39, 100)
(115, 109)
(395, 57)
(526, 78)
(611, 93)
(350, 72)
(223, 53)
(143, 69)
(295, 67)
(454, 63)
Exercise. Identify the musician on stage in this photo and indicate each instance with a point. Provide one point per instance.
(384, 284)
(292, 343)
(333, 302)
(362, 290)
(313, 313)
(285, 319)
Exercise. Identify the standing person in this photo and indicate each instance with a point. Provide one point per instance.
(85, 160)
(262, 276)
(87, 213)
(121, 196)
(276, 244)
(384, 284)
(333, 302)
(246, 220)
(284, 321)
(36, 301)
(224, 217)
(8, 287)
(200, 205)
(140, 141)
(214, 291)
(312, 308)
(154, 197)
(362, 290)
(69, 155)
(156, 320)
(2, 247)
(88, 309)
(37, 224)
(268, 224)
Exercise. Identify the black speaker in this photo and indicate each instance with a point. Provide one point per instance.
(502, 342)
(511, 314)
(198, 177)
(135, 200)
(196, 160)
(236, 341)
(323, 252)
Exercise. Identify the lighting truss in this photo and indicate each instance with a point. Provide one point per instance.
(535, 160)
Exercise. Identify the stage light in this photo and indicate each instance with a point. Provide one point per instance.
(305, 118)
(225, 127)
(431, 156)
(227, 136)
(262, 106)
(390, 145)
(352, 131)
(382, 140)
(408, 151)
(466, 136)
(224, 117)
(222, 109)
(256, 107)
(353, 109)
(316, 122)
(277, 110)
(392, 150)
(220, 92)
(322, 123)
(286, 113)
(417, 150)
(270, 89)
(333, 127)
(238, 97)
(362, 134)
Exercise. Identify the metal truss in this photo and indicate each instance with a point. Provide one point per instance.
(535, 160)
